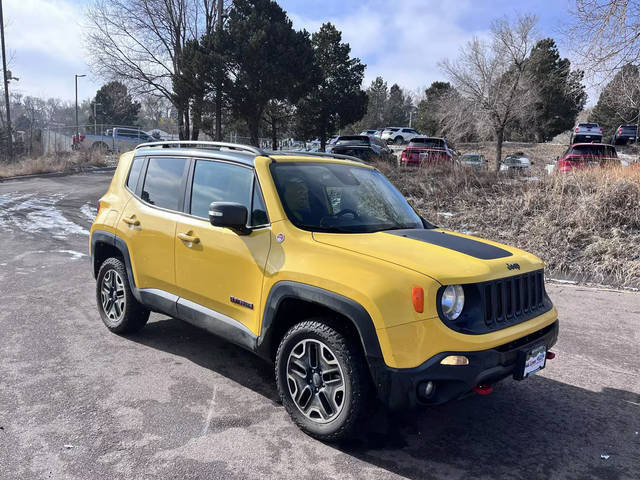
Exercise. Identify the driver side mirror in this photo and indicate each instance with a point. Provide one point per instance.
(229, 215)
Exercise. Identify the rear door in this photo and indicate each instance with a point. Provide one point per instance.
(215, 267)
(148, 222)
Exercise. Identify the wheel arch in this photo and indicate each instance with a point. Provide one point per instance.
(290, 302)
(105, 245)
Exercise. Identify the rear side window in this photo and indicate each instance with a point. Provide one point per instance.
(219, 182)
(134, 173)
(163, 182)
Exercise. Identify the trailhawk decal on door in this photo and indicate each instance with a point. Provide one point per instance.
(468, 246)
(242, 303)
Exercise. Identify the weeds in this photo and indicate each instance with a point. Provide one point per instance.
(585, 226)
(60, 162)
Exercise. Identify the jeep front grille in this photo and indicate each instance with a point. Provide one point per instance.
(514, 299)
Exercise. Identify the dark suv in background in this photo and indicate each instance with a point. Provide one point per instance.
(364, 147)
(624, 134)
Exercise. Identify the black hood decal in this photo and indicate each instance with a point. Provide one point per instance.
(470, 247)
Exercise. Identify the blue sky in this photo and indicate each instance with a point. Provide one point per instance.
(401, 40)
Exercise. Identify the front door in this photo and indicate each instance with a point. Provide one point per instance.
(215, 267)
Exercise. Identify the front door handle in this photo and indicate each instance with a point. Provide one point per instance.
(132, 220)
(185, 237)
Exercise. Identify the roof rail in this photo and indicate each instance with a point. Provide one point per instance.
(201, 144)
(319, 154)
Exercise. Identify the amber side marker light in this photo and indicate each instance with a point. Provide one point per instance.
(455, 360)
(417, 295)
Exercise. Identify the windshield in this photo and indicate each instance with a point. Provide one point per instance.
(515, 160)
(593, 150)
(427, 142)
(353, 140)
(329, 197)
(471, 158)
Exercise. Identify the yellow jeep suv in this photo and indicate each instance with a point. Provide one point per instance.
(318, 264)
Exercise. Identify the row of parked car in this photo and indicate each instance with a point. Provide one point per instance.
(592, 133)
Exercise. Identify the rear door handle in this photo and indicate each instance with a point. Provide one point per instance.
(132, 220)
(185, 237)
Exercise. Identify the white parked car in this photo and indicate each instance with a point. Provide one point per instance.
(398, 135)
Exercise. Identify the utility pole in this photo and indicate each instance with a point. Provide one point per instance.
(6, 86)
(77, 126)
(219, 73)
(95, 115)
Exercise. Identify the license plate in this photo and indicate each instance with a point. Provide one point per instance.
(534, 360)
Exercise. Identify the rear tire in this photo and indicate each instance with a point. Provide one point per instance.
(119, 309)
(322, 379)
(398, 140)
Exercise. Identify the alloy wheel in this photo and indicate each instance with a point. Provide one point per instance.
(315, 380)
(112, 296)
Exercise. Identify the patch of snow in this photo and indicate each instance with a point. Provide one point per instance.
(446, 214)
(37, 215)
(74, 255)
(558, 280)
(89, 211)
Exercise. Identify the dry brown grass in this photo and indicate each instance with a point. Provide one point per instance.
(62, 162)
(585, 226)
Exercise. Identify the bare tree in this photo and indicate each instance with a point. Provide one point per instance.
(143, 42)
(492, 76)
(605, 35)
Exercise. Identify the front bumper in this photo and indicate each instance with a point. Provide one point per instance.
(398, 388)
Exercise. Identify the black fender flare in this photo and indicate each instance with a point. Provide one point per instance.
(100, 236)
(347, 307)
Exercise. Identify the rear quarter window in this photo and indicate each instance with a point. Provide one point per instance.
(134, 173)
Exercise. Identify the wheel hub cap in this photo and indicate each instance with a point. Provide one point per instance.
(316, 381)
(112, 296)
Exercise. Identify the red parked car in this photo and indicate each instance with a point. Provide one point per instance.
(587, 155)
(426, 150)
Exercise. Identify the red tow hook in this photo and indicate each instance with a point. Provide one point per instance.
(483, 389)
(551, 355)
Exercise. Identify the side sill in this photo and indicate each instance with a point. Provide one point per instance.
(216, 323)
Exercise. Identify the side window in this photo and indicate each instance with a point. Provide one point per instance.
(163, 182)
(134, 173)
(258, 210)
(219, 182)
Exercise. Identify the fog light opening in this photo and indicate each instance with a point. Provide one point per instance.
(426, 390)
(455, 360)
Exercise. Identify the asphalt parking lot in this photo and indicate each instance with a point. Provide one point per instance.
(77, 402)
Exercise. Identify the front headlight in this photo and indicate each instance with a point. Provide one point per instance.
(452, 301)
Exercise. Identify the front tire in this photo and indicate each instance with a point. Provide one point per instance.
(322, 379)
(398, 141)
(119, 309)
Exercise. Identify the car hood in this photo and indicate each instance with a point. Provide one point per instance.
(447, 257)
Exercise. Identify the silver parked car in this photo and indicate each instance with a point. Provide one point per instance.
(585, 133)
(476, 161)
(518, 163)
